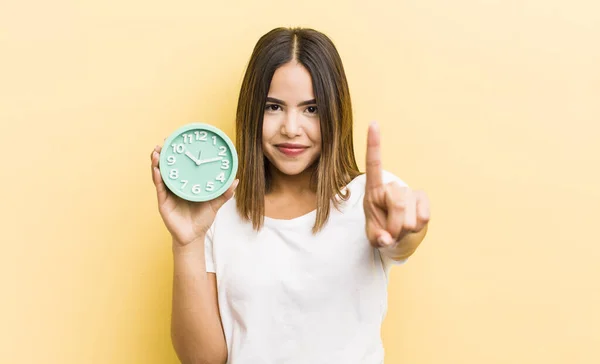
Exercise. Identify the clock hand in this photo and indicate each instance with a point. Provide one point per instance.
(209, 160)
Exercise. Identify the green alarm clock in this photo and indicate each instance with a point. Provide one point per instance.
(198, 162)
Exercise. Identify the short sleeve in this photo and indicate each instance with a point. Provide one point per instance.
(388, 263)
(390, 177)
(208, 250)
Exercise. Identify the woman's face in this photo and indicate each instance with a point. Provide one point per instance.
(291, 137)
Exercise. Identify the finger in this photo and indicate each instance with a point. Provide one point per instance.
(377, 236)
(374, 178)
(155, 157)
(423, 211)
(396, 205)
(161, 189)
(410, 212)
(423, 207)
(157, 149)
(220, 201)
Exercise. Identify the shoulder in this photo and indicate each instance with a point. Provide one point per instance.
(360, 181)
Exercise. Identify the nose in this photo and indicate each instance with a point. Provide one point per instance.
(291, 125)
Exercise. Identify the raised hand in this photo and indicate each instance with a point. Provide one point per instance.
(392, 211)
(186, 221)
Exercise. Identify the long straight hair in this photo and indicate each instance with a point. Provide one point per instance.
(336, 166)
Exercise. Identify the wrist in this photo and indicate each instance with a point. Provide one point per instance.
(190, 248)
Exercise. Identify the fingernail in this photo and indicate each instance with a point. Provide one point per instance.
(235, 184)
(374, 123)
(385, 240)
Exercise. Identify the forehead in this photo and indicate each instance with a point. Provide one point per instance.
(292, 81)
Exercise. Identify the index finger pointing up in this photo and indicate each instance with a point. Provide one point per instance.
(374, 178)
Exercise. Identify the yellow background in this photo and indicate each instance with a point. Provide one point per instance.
(492, 107)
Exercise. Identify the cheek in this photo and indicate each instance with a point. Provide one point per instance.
(269, 129)
(314, 133)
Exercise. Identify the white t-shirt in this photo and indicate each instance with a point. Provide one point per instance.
(287, 296)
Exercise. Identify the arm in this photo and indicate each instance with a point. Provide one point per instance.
(196, 330)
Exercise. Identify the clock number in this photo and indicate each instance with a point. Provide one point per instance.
(214, 140)
(196, 189)
(186, 137)
(185, 182)
(222, 151)
(221, 177)
(210, 186)
(201, 135)
(178, 148)
(224, 164)
(174, 174)
(171, 160)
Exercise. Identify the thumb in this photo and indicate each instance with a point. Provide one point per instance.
(378, 237)
(220, 201)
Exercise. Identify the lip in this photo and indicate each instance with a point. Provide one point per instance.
(291, 149)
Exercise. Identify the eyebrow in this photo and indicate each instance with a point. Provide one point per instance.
(303, 103)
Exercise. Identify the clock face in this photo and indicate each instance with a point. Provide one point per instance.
(198, 162)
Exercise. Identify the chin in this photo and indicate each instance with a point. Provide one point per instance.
(291, 168)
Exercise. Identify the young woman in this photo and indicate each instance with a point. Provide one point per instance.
(294, 268)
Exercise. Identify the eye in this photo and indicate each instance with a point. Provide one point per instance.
(312, 109)
(271, 107)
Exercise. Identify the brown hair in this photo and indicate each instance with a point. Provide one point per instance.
(336, 166)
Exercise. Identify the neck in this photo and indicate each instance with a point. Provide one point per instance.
(297, 184)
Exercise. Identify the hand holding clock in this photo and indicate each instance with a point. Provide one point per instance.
(188, 195)
(187, 221)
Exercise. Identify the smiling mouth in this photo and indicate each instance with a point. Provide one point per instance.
(291, 149)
